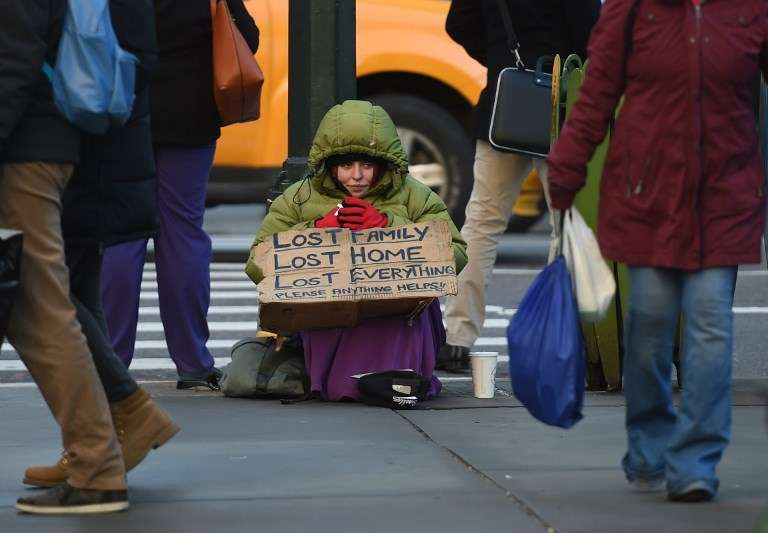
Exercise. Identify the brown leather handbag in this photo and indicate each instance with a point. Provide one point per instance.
(237, 77)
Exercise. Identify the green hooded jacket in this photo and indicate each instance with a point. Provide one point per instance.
(356, 127)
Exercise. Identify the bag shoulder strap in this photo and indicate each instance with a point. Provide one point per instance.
(512, 42)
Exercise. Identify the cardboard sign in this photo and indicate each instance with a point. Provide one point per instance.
(331, 277)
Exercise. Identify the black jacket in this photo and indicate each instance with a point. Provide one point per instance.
(543, 27)
(112, 196)
(31, 127)
(183, 109)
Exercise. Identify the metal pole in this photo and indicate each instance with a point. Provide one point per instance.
(321, 73)
(763, 128)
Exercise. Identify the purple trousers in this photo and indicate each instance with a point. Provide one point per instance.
(182, 256)
(334, 355)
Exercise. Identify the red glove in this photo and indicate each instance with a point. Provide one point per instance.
(358, 214)
(329, 220)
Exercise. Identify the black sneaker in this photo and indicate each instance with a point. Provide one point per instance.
(453, 359)
(210, 380)
(64, 499)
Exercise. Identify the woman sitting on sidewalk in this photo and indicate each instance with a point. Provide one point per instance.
(357, 160)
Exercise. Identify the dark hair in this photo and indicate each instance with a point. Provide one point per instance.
(340, 159)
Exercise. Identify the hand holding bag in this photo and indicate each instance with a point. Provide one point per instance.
(522, 111)
(237, 77)
(592, 279)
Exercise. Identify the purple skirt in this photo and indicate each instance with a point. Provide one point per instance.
(334, 355)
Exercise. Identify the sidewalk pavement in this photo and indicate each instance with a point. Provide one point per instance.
(458, 464)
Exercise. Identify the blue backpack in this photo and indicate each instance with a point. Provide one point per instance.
(93, 80)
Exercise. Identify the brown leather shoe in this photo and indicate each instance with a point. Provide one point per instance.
(49, 475)
(141, 426)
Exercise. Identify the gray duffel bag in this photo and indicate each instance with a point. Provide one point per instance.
(259, 370)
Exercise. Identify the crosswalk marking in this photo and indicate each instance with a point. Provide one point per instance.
(215, 295)
(160, 346)
(215, 274)
(150, 266)
(491, 341)
(212, 310)
(234, 315)
(153, 363)
(148, 327)
(212, 326)
(247, 284)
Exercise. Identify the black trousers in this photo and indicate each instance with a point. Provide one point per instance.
(84, 263)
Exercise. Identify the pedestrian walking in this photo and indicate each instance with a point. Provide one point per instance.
(111, 198)
(544, 28)
(185, 126)
(358, 162)
(682, 204)
(38, 149)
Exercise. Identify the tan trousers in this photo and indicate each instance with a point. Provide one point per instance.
(45, 332)
(498, 178)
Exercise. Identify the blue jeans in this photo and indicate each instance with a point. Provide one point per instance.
(683, 446)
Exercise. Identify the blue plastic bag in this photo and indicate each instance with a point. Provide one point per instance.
(93, 79)
(546, 349)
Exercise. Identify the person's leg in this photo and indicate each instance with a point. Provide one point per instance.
(140, 423)
(183, 255)
(654, 304)
(704, 418)
(44, 330)
(498, 178)
(84, 263)
(122, 269)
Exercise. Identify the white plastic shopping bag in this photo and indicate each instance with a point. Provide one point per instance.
(593, 281)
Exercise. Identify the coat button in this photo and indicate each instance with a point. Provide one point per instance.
(692, 39)
(742, 20)
(706, 39)
(650, 16)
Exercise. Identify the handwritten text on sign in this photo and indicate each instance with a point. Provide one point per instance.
(338, 264)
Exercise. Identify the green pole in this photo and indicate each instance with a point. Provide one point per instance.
(321, 73)
(604, 339)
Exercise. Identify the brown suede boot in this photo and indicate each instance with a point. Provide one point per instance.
(141, 426)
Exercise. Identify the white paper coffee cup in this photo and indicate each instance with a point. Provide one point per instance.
(484, 373)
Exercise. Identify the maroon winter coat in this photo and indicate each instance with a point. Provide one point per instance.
(682, 185)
